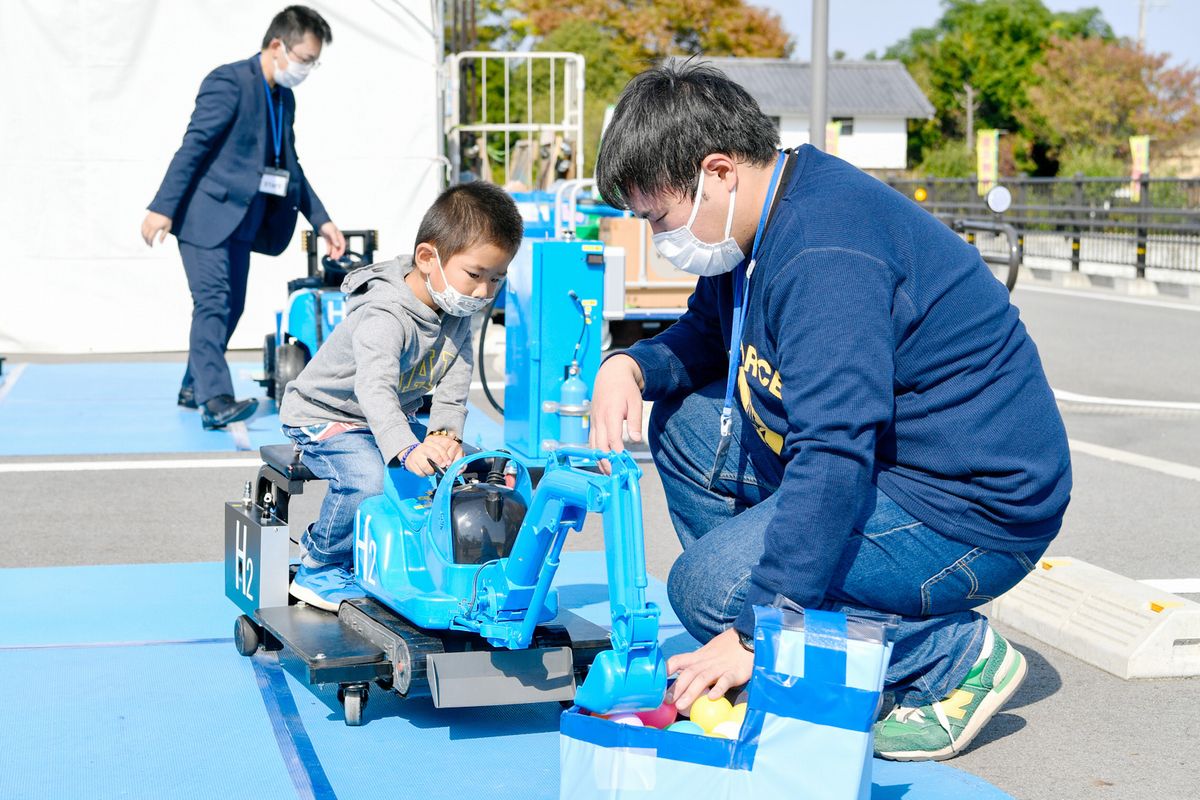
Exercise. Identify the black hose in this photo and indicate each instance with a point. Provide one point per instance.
(483, 379)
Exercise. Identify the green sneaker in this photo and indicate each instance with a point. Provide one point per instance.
(944, 729)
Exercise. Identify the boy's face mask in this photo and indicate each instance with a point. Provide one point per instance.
(688, 253)
(451, 300)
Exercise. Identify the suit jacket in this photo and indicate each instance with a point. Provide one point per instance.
(215, 174)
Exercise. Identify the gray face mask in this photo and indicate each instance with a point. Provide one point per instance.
(451, 300)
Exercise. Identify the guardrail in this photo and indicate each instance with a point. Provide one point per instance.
(1092, 222)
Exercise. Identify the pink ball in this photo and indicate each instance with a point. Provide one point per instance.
(660, 717)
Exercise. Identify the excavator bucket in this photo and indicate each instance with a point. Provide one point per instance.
(630, 681)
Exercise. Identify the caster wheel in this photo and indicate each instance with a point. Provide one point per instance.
(246, 637)
(354, 699)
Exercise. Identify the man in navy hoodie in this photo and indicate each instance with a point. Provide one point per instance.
(234, 186)
(849, 416)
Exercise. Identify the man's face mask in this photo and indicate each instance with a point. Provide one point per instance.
(294, 74)
(451, 300)
(686, 252)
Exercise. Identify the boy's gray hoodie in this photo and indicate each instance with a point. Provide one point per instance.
(385, 355)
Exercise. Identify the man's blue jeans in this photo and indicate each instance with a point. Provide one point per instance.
(353, 466)
(895, 564)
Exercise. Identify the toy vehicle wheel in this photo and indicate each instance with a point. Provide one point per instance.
(289, 360)
(354, 699)
(246, 637)
(269, 364)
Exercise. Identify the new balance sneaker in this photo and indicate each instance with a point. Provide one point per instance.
(324, 587)
(945, 728)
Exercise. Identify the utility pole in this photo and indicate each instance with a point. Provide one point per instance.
(818, 114)
(971, 104)
(1142, 25)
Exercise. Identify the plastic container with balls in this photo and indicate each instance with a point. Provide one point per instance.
(803, 730)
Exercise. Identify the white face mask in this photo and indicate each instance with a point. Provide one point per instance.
(681, 247)
(451, 300)
(295, 73)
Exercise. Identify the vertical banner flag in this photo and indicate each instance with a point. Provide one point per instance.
(833, 133)
(987, 158)
(1139, 151)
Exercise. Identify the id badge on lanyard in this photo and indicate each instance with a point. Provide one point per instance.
(275, 180)
(741, 295)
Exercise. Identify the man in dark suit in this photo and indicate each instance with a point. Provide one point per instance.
(233, 187)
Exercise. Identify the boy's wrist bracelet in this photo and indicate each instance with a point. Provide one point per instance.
(445, 433)
(403, 458)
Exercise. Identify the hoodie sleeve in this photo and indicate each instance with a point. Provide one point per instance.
(379, 340)
(449, 409)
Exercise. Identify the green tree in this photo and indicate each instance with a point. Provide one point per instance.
(993, 46)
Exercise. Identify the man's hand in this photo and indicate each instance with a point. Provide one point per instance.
(335, 242)
(441, 450)
(715, 668)
(155, 224)
(616, 404)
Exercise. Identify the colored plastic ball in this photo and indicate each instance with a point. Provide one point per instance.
(660, 717)
(727, 729)
(684, 726)
(739, 713)
(627, 719)
(708, 714)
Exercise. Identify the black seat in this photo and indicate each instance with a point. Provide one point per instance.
(286, 461)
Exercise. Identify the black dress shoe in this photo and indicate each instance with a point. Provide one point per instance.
(223, 410)
(187, 398)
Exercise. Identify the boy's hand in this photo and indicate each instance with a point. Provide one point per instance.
(441, 450)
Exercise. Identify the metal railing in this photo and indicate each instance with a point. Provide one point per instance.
(1084, 221)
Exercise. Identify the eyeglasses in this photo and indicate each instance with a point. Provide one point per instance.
(311, 63)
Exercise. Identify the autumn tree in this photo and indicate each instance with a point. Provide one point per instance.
(1093, 95)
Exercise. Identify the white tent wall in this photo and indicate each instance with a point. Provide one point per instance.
(94, 99)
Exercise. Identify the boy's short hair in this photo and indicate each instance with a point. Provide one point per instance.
(471, 214)
(667, 120)
(290, 25)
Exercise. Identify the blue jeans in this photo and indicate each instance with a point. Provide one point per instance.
(353, 466)
(895, 564)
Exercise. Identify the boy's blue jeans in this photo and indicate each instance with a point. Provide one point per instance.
(895, 564)
(354, 468)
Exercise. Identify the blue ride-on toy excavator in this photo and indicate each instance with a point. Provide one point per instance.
(459, 573)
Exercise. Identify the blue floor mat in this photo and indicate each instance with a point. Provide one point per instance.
(121, 681)
(114, 408)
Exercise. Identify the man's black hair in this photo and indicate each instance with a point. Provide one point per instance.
(471, 214)
(290, 25)
(667, 120)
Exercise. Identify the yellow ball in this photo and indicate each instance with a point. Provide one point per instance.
(739, 713)
(920, 195)
(708, 714)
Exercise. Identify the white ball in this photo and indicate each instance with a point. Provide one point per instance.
(628, 719)
(729, 729)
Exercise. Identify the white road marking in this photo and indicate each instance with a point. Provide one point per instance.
(1133, 301)
(1133, 459)
(1175, 585)
(105, 466)
(1072, 397)
(10, 380)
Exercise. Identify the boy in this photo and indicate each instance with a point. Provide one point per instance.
(407, 330)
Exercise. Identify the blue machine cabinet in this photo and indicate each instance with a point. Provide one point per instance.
(553, 301)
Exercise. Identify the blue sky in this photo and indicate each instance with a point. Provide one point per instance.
(858, 26)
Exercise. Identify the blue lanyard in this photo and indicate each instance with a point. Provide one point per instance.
(276, 127)
(741, 292)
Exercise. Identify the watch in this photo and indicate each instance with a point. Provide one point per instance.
(747, 642)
